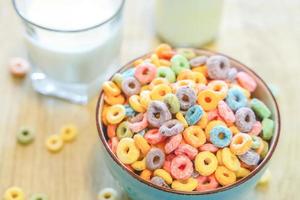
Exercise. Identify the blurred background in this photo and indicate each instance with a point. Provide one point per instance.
(264, 35)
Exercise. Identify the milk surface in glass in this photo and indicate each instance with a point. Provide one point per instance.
(70, 58)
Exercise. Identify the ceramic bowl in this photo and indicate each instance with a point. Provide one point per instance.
(138, 189)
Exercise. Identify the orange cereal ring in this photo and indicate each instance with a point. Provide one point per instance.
(104, 113)
(211, 125)
(234, 129)
(194, 136)
(164, 51)
(225, 176)
(19, 67)
(219, 87)
(186, 74)
(141, 143)
(208, 99)
(146, 174)
(230, 160)
(206, 163)
(110, 88)
(111, 131)
(112, 100)
(201, 69)
(241, 143)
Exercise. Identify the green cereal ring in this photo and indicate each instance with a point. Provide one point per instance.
(179, 63)
(25, 136)
(118, 78)
(260, 108)
(172, 102)
(123, 131)
(267, 128)
(256, 142)
(265, 150)
(39, 196)
(188, 53)
(167, 73)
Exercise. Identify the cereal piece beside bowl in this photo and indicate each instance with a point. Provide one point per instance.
(203, 127)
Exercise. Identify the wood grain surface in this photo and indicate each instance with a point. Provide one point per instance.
(265, 35)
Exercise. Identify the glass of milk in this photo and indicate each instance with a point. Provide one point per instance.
(188, 23)
(72, 44)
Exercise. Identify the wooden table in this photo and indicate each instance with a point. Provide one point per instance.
(262, 34)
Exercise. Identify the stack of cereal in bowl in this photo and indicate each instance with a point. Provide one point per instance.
(187, 124)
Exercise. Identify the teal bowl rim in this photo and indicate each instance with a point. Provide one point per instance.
(221, 189)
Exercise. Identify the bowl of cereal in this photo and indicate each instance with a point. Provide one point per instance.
(187, 124)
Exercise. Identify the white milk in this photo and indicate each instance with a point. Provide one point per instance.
(189, 23)
(79, 57)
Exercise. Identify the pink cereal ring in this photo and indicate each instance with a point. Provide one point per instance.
(208, 147)
(113, 143)
(246, 81)
(181, 167)
(172, 143)
(188, 150)
(18, 67)
(256, 128)
(153, 136)
(212, 115)
(140, 125)
(145, 73)
(206, 183)
(225, 112)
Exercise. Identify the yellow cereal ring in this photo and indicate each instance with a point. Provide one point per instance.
(164, 62)
(68, 133)
(155, 60)
(186, 74)
(208, 99)
(219, 157)
(230, 160)
(219, 87)
(145, 88)
(112, 100)
(135, 103)
(211, 125)
(234, 129)
(54, 143)
(115, 114)
(203, 121)
(189, 83)
(110, 88)
(201, 69)
(138, 62)
(181, 118)
(145, 98)
(164, 175)
(185, 185)
(158, 81)
(206, 163)
(127, 152)
(146, 174)
(104, 113)
(224, 176)
(159, 91)
(194, 136)
(141, 144)
(242, 172)
(199, 78)
(241, 143)
(139, 165)
(264, 180)
(14, 193)
(261, 147)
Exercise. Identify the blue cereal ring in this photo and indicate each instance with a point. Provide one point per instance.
(194, 114)
(128, 73)
(236, 99)
(129, 111)
(220, 136)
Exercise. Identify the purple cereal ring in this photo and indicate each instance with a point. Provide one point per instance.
(198, 61)
(156, 180)
(130, 86)
(218, 67)
(171, 127)
(186, 96)
(250, 158)
(244, 119)
(155, 159)
(158, 113)
(138, 123)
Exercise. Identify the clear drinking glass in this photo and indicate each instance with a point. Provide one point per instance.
(72, 44)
